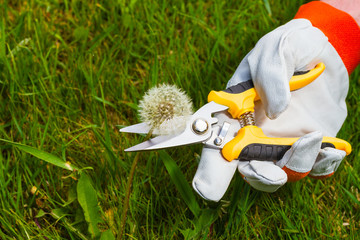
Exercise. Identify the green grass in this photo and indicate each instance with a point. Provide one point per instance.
(82, 74)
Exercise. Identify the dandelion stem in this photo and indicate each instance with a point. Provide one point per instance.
(128, 189)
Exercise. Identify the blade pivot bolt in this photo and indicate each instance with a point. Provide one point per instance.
(200, 126)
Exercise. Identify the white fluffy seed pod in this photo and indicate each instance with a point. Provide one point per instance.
(166, 108)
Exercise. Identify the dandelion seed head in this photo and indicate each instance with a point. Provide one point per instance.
(166, 109)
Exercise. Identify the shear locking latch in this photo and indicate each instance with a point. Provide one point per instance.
(220, 138)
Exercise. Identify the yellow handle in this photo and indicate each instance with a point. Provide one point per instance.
(299, 81)
(267, 148)
(241, 102)
(238, 103)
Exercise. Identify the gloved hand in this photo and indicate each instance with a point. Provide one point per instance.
(309, 113)
(215, 173)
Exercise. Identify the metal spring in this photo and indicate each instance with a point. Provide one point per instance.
(247, 119)
(242, 122)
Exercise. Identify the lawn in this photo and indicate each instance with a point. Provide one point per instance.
(72, 74)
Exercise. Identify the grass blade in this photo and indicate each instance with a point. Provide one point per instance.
(267, 6)
(350, 195)
(47, 157)
(112, 158)
(180, 182)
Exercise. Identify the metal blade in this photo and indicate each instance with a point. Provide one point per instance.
(145, 145)
(140, 128)
(161, 142)
(188, 136)
(210, 108)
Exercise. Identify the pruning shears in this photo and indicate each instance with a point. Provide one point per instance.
(238, 138)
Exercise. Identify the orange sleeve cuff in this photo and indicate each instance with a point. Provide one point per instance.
(340, 28)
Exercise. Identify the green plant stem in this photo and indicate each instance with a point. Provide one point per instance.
(69, 225)
(128, 189)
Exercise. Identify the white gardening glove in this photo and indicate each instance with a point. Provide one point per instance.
(215, 173)
(311, 112)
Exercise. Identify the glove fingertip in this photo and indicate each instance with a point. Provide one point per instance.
(294, 176)
(262, 175)
(320, 177)
(213, 175)
(327, 163)
(205, 192)
(276, 105)
(330, 151)
(299, 160)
